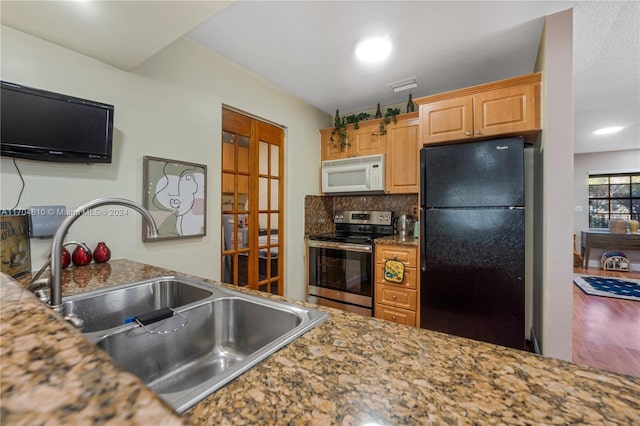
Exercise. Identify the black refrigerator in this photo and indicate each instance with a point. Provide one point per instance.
(472, 240)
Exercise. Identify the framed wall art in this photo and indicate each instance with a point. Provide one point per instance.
(16, 251)
(175, 194)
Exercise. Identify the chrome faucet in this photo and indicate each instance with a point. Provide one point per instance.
(55, 283)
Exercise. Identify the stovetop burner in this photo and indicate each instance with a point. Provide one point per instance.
(358, 227)
(346, 238)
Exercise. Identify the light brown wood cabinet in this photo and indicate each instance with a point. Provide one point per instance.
(365, 140)
(503, 108)
(402, 167)
(400, 145)
(397, 302)
(331, 150)
(362, 141)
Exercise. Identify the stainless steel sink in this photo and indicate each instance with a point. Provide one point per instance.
(206, 344)
(112, 307)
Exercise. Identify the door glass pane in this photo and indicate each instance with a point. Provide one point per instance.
(228, 137)
(274, 223)
(227, 232)
(275, 160)
(263, 222)
(243, 159)
(228, 152)
(263, 158)
(227, 269)
(243, 184)
(243, 141)
(243, 203)
(263, 193)
(274, 194)
(263, 232)
(228, 183)
(274, 262)
(228, 203)
(243, 269)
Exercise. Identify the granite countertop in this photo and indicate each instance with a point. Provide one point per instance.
(397, 240)
(349, 370)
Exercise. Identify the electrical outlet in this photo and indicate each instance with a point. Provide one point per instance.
(414, 211)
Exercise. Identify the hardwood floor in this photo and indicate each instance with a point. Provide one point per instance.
(606, 331)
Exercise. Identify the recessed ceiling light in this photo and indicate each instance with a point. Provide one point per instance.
(608, 130)
(373, 49)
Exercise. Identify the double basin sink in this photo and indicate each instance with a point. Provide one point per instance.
(209, 336)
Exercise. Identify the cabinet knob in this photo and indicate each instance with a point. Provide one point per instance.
(394, 297)
(393, 317)
(337, 294)
(477, 132)
(467, 133)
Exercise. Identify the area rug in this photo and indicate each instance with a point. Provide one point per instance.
(608, 287)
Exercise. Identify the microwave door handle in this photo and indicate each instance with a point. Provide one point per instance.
(367, 177)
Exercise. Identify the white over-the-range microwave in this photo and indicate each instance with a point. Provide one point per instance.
(356, 174)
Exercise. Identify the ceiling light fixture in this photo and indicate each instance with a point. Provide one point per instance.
(374, 49)
(405, 84)
(608, 130)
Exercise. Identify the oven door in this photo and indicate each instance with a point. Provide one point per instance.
(341, 272)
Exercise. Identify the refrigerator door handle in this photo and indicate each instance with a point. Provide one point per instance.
(421, 239)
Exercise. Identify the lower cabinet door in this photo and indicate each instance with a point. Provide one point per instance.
(399, 316)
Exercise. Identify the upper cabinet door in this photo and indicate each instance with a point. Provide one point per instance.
(331, 149)
(403, 159)
(446, 120)
(366, 141)
(506, 111)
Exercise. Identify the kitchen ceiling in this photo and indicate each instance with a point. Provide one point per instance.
(306, 48)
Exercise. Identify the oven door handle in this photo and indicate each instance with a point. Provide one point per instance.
(341, 246)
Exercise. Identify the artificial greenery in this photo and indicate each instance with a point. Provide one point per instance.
(387, 118)
(339, 132)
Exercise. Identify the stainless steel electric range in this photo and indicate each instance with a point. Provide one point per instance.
(341, 264)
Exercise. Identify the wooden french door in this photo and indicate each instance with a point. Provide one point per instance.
(252, 202)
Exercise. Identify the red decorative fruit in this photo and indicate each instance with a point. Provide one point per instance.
(101, 254)
(81, 256)
(66, 258)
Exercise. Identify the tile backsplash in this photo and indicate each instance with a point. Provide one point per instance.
(318, 210)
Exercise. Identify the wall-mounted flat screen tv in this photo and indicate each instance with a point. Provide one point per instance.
(40, 125)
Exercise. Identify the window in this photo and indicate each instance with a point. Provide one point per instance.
(613, 196)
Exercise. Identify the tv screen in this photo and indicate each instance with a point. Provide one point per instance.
(40, 125)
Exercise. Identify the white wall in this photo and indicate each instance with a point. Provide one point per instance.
(170, 107)
(610, 161)
(554, 286)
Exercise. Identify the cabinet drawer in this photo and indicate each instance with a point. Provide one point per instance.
(631, 242)
(398, 297)
(399, 316)
(406, 255)
(409, 282)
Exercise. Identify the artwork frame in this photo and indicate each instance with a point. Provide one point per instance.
(16, 248)
(175, 193)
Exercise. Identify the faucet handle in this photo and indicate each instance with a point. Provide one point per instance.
(41, 289)
(75, 320)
